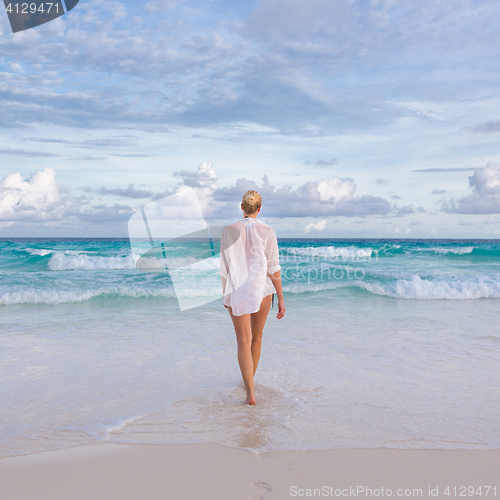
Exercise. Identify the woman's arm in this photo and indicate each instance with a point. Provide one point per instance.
(273, 270)
(276, 279)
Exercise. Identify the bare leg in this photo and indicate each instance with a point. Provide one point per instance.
(243, 329)
(258, 320)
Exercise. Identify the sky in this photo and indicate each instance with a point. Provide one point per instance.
(352, 118)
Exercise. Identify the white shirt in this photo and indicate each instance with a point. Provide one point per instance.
(249, 254)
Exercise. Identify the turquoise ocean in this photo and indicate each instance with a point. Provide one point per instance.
(385, 343)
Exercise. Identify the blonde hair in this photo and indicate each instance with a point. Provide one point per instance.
(251, 201)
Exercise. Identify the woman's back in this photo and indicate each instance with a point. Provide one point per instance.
(249, 254)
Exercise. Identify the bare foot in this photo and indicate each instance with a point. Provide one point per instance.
(250, 399)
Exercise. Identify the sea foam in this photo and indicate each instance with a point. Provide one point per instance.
(46, 251)
(330, 252)
(456, 251)
(424, 289)
(62, 262)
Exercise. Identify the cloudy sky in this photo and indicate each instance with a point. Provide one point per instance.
(353, 118)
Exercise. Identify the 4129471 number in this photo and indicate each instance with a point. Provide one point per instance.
(31, 8)
(470, 491)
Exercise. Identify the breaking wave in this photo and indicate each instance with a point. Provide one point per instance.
(54, 297)
(330, 252)
(423, 289)
(62, 262)
(456, 251)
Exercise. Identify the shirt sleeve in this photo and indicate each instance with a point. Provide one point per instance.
(272, 254)
(224, 264)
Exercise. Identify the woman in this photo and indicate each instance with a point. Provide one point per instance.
(250, 274)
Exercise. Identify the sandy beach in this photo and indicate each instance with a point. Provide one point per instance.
(209, 471)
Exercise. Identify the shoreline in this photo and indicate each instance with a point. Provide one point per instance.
(116, 444)
(212, 471)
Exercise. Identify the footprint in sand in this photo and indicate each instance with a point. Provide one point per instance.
(260, 490)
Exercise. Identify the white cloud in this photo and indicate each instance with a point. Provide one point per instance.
(315, 226)
(38, 198)
(485, 196)
(24, 203)
(335, 189)
(205, 177)
(486, 181)
(204, 180)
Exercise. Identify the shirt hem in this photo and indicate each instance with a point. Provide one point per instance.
(273, 270)
(252, 312)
